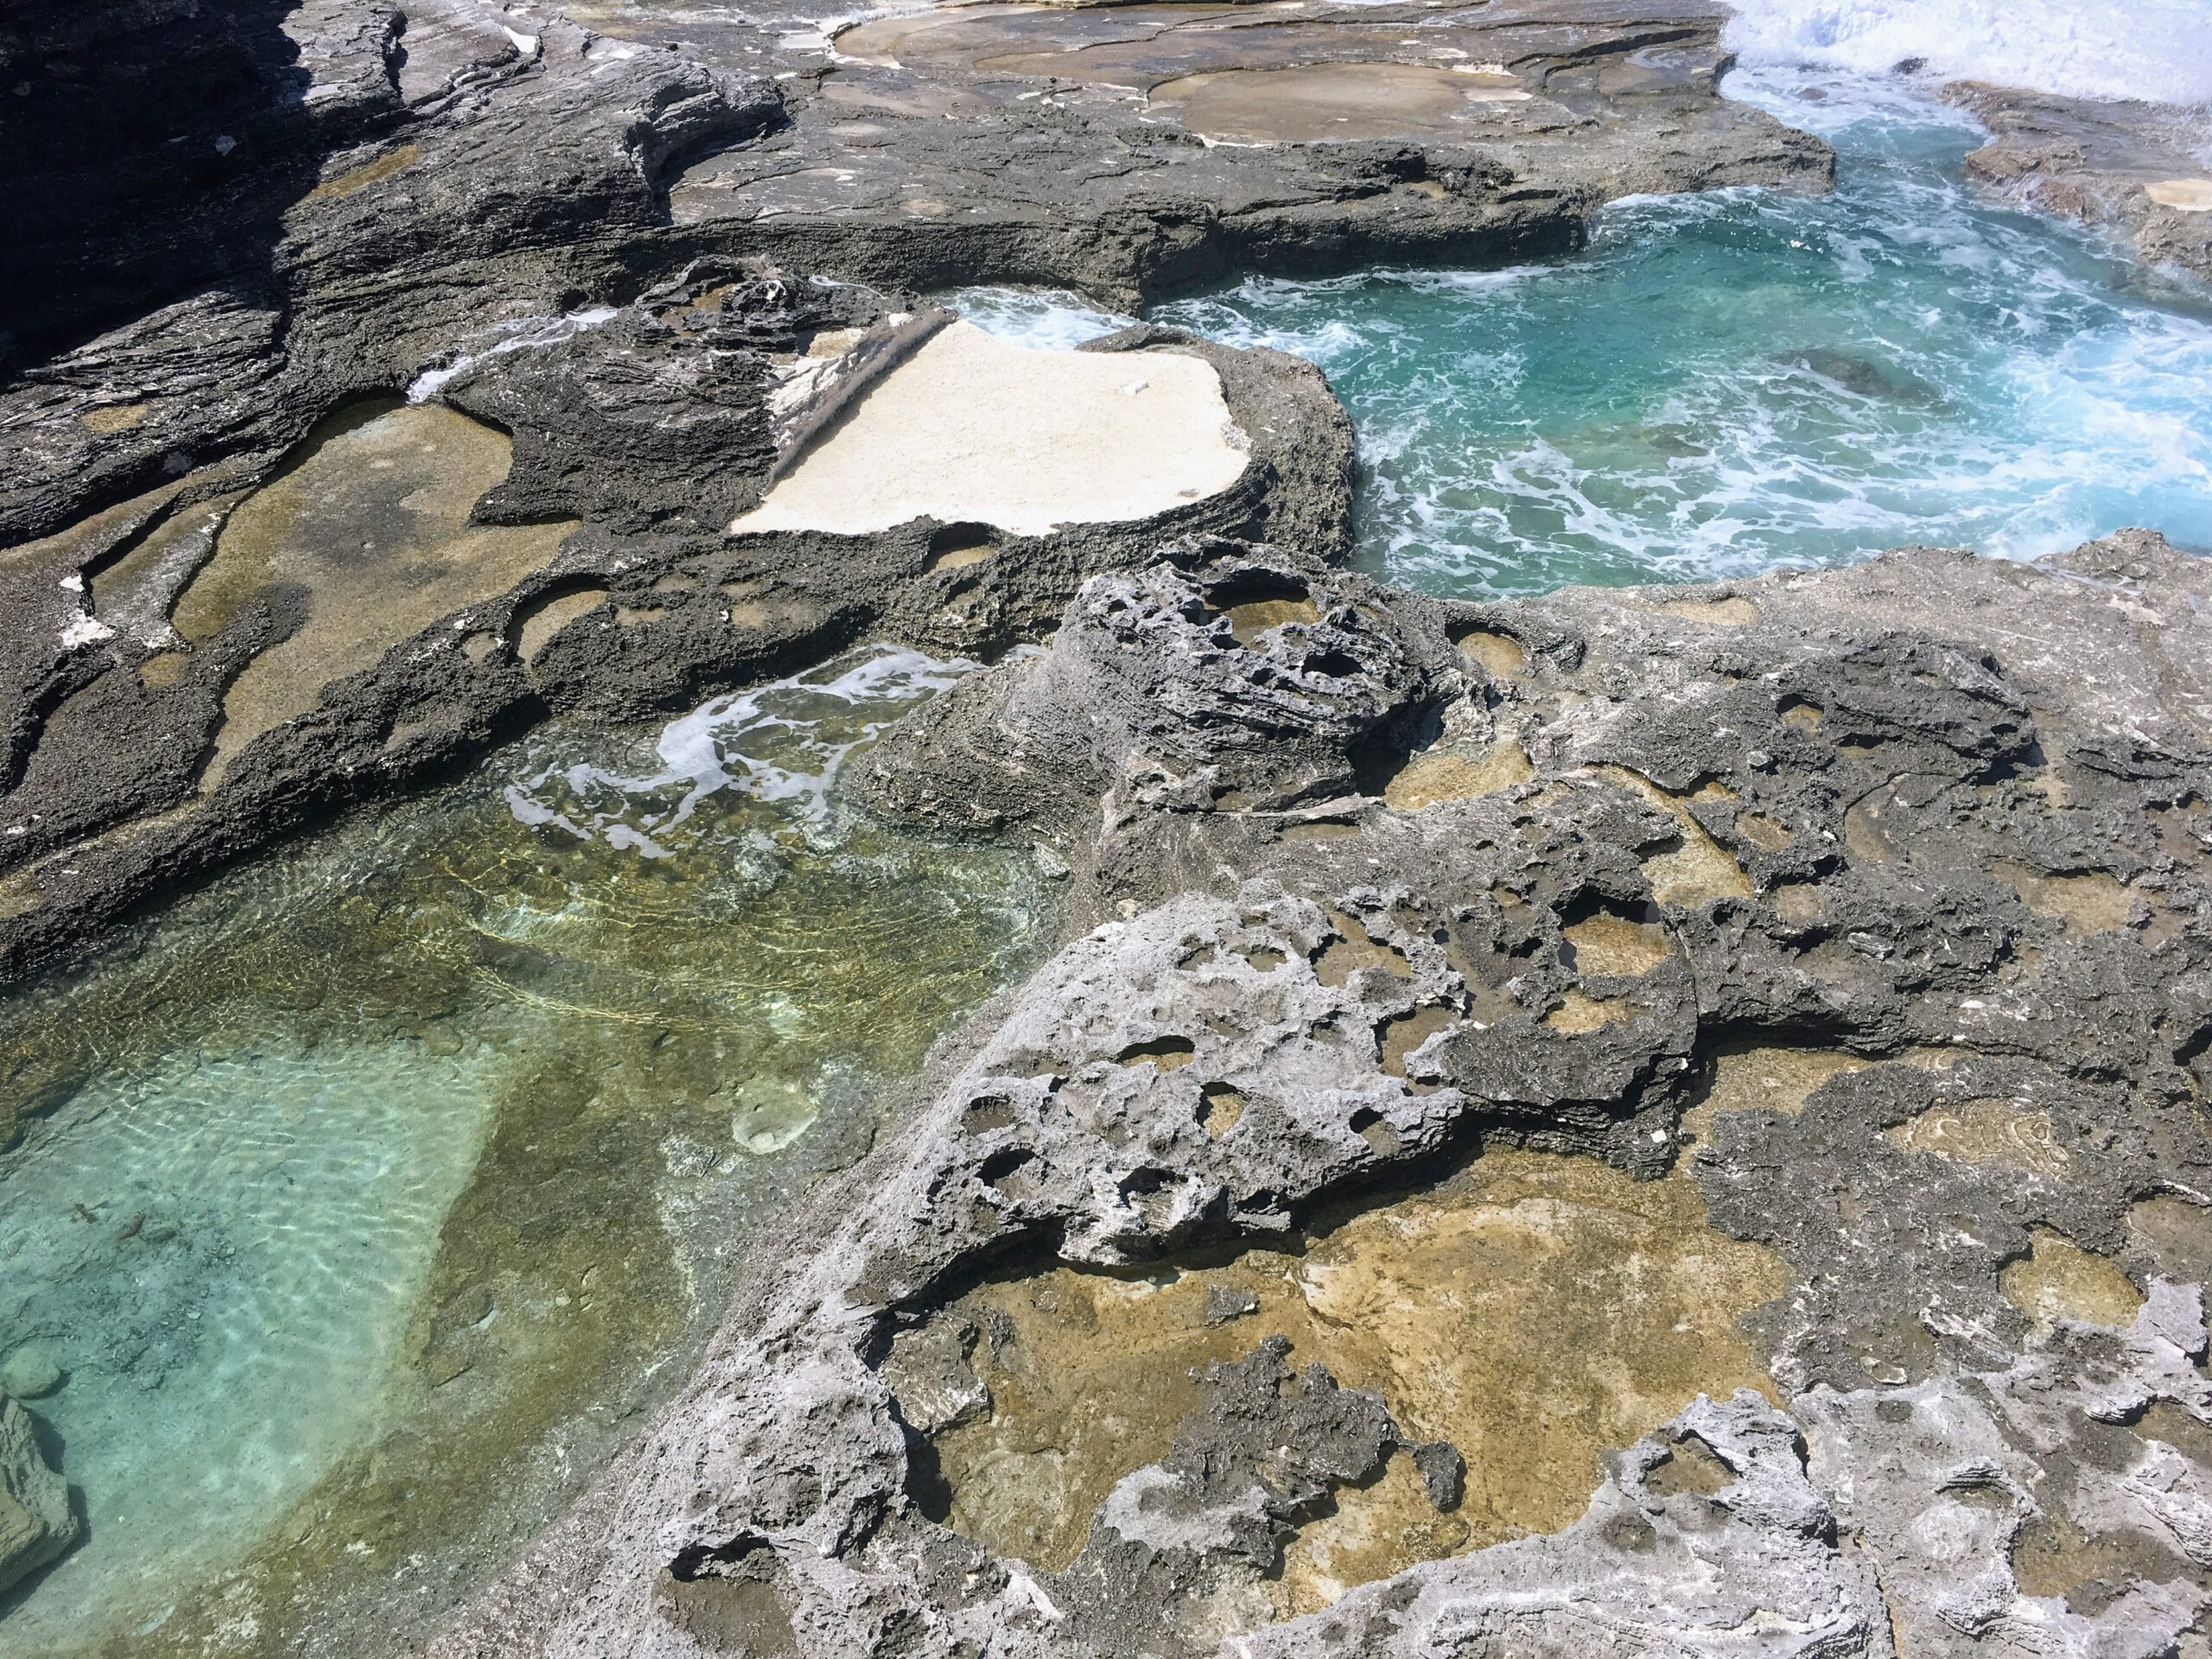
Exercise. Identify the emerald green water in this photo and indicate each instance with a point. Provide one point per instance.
(1719, 385)
(382, 1186)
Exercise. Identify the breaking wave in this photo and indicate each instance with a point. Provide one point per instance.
(2156, 49)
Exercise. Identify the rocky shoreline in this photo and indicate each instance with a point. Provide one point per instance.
(1859, 916)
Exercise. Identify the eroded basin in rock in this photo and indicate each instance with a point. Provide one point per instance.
(1533, 1310)
(369, 525)
(972, 430)
(1344, 102)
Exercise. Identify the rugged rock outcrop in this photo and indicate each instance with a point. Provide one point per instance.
(1888, 931)
(592, 243)
(37, 1521)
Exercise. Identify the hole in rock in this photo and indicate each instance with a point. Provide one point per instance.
(1436, 775)
(2053, 1557)
(1691, 1465)
(1001, 1165)
(2058, 1279)
(1351, 951)
(1167, 1052)
(1219, 1107)
(1500, 655)
(536, 623)
(1605, 940)
(1579, 1014)
(1803, 716)
(1256, 601)
(1696, 871)
(1333, 665)
(1532, 1309)
(368, 520)
(2089, 903)
(988, 1112)
(1714, 612)
(1407, 1031)
(958, 546)
(163, 669)
(729, 1600)
(1373, 1128)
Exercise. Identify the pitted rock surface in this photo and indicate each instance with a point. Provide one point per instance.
(1991, 1425)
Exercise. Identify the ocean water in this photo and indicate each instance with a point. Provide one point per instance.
(2156, 49)
(1721, 384)
(384, 1184)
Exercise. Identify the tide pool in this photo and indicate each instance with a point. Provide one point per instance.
(383, 1184)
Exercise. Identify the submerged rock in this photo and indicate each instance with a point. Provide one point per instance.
(37, 1521)
(30, 1373)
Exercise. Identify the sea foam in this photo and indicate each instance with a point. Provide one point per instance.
(2156, 49)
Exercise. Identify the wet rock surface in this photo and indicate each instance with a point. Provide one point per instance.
(37, 1522)
(1884, 937)
(2136, 170)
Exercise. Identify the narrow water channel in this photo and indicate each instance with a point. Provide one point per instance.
(1721, 384)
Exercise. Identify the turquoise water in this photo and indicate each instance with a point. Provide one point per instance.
(1719, 385)
(383, 1183)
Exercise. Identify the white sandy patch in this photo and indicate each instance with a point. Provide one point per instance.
(971, 429)
(2186, 195)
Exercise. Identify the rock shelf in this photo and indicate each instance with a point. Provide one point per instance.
(1657, 1121)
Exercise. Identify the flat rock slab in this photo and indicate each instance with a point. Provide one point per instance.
(972, 430)
(2136, 170)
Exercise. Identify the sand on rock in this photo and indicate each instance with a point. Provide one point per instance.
(972, 430)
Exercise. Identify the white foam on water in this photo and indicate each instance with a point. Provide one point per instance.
(1042, 319)
(783, 744)
(2155, 49)
(1727, 382)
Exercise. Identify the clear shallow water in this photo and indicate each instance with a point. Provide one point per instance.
(1722, 384)
(384, 1181)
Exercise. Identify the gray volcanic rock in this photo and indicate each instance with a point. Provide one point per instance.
(999, 143)
(1646, 1571)
(532, 185)
(1951, 875)
(2142, 172)
(37, 1522)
